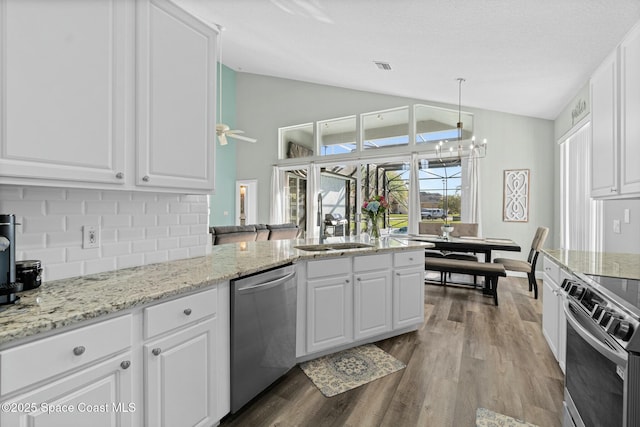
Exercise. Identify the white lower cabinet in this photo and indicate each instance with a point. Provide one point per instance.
(550, 313)
(180, 386)
(408, 289)
(97, 396)
(75, 378)
(408, 297)
(356, 299)
(554, 325)
(329, 312)
(166, 364)
(372, 304)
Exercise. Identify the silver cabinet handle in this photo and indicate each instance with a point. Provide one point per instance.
(79, 350)
(347, 281)
(410, 258)
(119, 175)
(156, 351)
(125, 364)
(145, 178)
(187, 311)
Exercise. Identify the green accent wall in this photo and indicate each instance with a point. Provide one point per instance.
(224, 198)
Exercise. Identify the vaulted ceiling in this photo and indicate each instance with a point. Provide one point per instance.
(527, 57)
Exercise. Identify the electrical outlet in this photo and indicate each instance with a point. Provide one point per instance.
(90, 236)
(627, 218)
(616, 226)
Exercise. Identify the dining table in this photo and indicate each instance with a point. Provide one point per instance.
(473, 244)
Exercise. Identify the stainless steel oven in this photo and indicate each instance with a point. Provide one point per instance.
(602, 379)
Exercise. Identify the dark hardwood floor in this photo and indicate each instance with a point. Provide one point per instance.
(468, 354)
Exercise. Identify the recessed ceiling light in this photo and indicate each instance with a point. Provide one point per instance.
(383, 65)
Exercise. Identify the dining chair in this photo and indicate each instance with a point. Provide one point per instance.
(528, 266)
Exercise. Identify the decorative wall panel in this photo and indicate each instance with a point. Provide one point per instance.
(516, 195)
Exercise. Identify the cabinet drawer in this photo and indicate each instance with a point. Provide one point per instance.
(179, 312)
(328, 267)
(408, 259)
(372, 262)
(42, 359)
(552, 270)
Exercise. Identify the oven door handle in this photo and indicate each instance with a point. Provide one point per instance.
(581, 324)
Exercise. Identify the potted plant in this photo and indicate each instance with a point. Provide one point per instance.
(374, 208)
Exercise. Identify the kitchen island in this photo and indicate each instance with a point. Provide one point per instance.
(65, 302)
(135, 342)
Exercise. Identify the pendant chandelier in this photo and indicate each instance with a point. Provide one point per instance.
(461, 148)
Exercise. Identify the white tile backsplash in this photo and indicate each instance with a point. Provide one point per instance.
(136, 228)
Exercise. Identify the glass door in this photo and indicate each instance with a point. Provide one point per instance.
(337, 186)
(296, 200)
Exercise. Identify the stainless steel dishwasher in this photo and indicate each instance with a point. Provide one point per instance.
(263, 331)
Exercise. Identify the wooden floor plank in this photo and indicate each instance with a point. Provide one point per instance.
(467, 354)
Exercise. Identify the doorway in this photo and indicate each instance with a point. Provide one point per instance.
(246, 202)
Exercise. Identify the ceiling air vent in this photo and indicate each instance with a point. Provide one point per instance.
(383, 65)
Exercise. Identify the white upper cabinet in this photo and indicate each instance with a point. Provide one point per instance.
(630, 112)
(63, 86)
(615, 106)
(107, 94)
(176, 98)
(604, 128)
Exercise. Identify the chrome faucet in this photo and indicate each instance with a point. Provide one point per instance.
(320, 218)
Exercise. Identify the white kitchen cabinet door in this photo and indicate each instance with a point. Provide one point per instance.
(554, 324)
(604, 128)
(630, 111)
(562, 323)
(176, 98)
(329, 312)
(64, 75)
(372, 303)
(550, 314)
(180, 385)
(98, 396)
(408, 297)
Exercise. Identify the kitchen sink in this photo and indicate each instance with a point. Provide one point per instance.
(333, 246)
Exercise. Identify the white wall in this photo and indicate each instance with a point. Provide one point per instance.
(263, 104)
(136, 228)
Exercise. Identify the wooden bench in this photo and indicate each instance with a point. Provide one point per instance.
(491, 271)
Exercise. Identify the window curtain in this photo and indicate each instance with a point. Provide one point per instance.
(313, 181)
(471, 190)
(414, 195)
(276, 215)
(580, 215)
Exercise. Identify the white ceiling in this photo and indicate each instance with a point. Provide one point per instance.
(527, 57)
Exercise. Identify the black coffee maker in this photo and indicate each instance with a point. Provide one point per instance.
(8, 284)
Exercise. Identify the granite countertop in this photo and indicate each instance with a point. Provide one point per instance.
(598, 263)
(65, 302)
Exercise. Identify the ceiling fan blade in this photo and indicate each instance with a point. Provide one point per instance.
(222, 138)
(234, 131)
(243, 138)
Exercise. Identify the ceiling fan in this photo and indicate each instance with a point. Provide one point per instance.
(222, 130)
